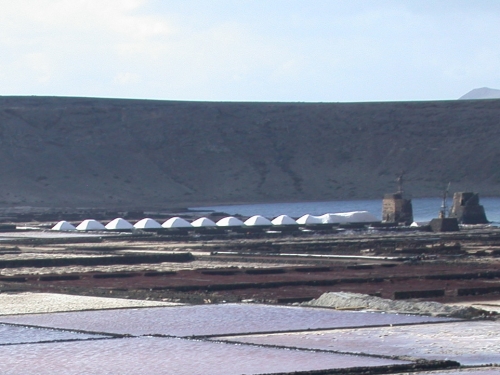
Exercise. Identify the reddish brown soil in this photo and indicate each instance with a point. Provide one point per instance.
(292, 283)
(442, 267)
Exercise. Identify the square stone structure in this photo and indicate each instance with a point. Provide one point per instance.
(396, 209)
(467, 210)
(444, 224)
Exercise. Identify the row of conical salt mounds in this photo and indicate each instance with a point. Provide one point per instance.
(227, 222)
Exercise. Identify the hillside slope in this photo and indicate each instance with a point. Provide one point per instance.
(481, 93)
(74, 152)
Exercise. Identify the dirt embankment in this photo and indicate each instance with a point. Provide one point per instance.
(348, 301)
(74, 152)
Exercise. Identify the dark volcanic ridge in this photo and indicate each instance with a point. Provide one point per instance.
(116, 153)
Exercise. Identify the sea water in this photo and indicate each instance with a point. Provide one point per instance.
(424, 209)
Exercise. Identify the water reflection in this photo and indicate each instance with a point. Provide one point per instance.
(470, 343)
(211, 319)
(148, 355)
(17, 334)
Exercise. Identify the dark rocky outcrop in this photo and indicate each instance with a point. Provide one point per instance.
(77, 152)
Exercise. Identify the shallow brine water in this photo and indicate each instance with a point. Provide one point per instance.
(470, 343)
(148, 355)
(211, 319)
(10, 334)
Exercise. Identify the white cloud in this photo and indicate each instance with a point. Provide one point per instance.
(126, 78)
(247, 50)
(59, 40)
(39, 64)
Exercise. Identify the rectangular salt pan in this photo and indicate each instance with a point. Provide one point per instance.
(470, 343)
(211, 320)
(149, 355)
(10, 334)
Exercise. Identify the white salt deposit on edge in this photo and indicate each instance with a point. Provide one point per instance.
(176, 222)
(35, 303)
(283, 220)
(63, 226)
(345, 301)
(203, 222)
(229, 221)
(258, 220)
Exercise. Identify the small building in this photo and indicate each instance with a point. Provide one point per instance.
(397, 209)
(444, 224)
(467, 210)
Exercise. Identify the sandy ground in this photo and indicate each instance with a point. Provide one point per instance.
(32, 303)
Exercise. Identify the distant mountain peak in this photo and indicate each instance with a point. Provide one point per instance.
(482, 93)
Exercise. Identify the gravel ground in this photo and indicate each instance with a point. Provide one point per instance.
(166, 266)
(488, 305)
(32, 303)
(466, 371)
(343, 300)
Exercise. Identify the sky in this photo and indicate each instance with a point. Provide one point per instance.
(250, 50)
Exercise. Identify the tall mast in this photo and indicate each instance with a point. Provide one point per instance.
(400, 182)
(444, 208)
